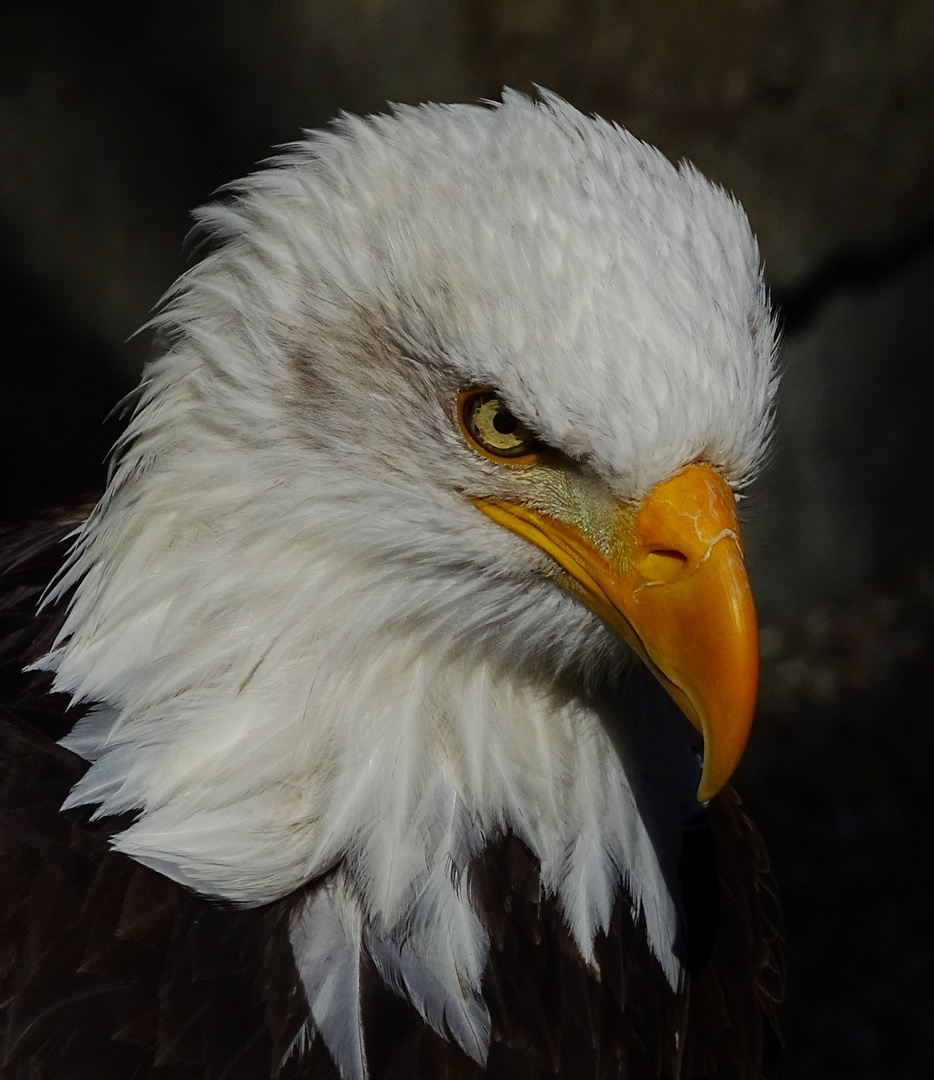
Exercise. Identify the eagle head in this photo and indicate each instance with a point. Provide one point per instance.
(442, 439)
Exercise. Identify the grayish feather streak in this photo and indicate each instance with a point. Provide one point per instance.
(326, 935)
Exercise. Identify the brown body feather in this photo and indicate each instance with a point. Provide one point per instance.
(109, 971)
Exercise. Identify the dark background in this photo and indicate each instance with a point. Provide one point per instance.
(117, 118)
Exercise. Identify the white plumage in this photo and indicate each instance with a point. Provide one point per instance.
(312, 651)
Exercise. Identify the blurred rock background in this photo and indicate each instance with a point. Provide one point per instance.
(116, 119)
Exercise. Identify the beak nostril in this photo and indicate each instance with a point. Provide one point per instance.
(664, 564)
(669, 553)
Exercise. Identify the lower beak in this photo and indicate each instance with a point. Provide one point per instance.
(669, 576)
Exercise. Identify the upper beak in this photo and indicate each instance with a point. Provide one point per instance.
(669, 576)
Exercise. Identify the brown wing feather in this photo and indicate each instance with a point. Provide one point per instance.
(109, 971)
(733, 1027)
(555, 1017)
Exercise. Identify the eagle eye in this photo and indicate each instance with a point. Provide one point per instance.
(491, 428)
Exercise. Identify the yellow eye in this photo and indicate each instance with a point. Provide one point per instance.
(492, 428)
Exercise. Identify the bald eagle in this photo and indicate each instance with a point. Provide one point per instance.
(377, 720)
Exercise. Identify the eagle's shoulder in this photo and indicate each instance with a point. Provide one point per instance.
(555, 1016)
(108, 969)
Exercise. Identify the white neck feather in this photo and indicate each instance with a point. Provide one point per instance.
(310, 713)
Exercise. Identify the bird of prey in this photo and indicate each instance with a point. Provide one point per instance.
(377, 721)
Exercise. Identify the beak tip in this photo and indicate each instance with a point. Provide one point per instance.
(723, 749)
(707, 789)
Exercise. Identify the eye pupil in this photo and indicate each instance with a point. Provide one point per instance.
(504, 422)
(494, 429)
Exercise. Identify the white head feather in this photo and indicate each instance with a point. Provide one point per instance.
(309, 648)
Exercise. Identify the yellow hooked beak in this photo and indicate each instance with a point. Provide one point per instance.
(669, 576)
